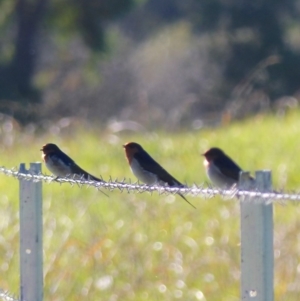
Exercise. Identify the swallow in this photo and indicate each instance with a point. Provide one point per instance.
(147, 170)
(222, 171)
(61, 165)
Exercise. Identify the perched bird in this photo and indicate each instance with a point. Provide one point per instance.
(61, 165)
(221, 169)
(147, 170)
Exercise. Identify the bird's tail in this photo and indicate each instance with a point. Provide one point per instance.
(87, 176)
(178, 184)
(187, 200)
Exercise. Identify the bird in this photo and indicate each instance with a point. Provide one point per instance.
(61, 165)
(222, 171)
(147, 170)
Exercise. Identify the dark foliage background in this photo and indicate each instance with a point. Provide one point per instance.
(160, 63)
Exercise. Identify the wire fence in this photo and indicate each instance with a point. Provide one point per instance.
(257, 233)
(202, 190)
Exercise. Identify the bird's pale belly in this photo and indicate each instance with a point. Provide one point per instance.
(58, 169)
(218, 179)
(142, 175)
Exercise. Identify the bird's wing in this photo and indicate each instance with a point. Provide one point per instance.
(81, 172)
(61, 156)
(74, 167)
(149, 164)
(228, 167)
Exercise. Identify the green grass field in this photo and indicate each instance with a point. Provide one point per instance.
(151, 247)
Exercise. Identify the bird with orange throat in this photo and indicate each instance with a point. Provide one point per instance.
(147, 170)
(61, 165)
(222, 171)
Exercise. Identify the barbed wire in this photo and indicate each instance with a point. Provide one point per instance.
(6, 296)
(201, 190)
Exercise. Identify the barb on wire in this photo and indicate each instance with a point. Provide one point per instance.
(195, 190)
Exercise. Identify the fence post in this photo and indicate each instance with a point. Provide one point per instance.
(31, 229)
(257, 258)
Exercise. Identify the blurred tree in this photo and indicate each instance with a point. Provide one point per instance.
(255, 30)
(22, 19)
(17, 68)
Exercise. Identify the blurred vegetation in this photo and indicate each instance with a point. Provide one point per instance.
(25, 22)
(150, 247)
(160, 63)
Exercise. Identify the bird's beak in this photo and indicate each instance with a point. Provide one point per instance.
(41, 149)
(124, 145)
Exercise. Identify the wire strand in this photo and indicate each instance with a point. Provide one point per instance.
(201, 190)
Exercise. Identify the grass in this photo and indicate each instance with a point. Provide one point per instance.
(143, 247)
